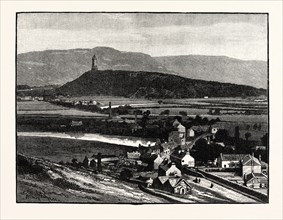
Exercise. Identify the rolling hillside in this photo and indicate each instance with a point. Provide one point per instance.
(218, 68)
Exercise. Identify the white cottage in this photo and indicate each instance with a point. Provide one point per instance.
(182, 158)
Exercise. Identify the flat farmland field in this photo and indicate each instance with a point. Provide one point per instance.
(46, 108)
(104, 100)
(176, 110)
(192, 107)
(57, 149)
(38, 106)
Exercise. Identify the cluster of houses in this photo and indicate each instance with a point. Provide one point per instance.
(170, 179)
(253, 170)
(167, 160)
(75, 102)
(30, 98)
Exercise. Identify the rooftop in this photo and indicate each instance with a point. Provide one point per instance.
(252, 175)
(249, 160)
(173, 181)
(232, 157)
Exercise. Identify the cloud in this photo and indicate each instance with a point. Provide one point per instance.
(239, 36)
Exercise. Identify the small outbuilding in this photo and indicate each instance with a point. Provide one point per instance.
(174, 185)
(256, 180)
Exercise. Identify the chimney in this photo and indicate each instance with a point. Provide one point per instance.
(110, 110)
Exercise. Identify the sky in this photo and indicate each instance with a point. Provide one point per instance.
(241, 36)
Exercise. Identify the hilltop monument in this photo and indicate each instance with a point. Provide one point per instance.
(94, 63)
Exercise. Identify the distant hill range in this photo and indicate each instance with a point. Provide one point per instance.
(151, 85)
(218, 68)
(61, 66)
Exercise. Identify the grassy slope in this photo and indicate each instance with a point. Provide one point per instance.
(42, 181)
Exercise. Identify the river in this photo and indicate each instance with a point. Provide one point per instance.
(111, 139)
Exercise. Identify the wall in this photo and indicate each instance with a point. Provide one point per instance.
(230, 164)
(249, 169)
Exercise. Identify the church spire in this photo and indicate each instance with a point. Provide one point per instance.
(94, 63)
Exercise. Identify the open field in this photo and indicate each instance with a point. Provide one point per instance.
(223, 103)
(243, 122)
(58, 149)
(46, 108)
(191, 106)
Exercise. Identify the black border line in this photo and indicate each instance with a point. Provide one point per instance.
(16, 81)
(268, 117)
(141, 12)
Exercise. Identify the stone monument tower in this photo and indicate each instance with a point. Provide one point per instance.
(94, 63)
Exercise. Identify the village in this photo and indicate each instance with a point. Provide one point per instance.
(187, 152)
(169, 167)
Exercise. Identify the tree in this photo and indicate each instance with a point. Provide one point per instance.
(160, 102)
(200, 152)
(204, 121)
(264, 140)
(248, 127)
(237, 134)
(183, 113)
(255, 126)
(85, 162)
(217, 111)
(137, 112)
(197, 120)
(145, 118)
(126, 174)
(221, 135)
(248, 135)
(74, 162)
(165, 112)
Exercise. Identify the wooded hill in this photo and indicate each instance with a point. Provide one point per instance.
(151, 85)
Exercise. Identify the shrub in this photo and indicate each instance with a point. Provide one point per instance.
(165, 112)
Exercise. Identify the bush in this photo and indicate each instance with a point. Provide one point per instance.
(165, 112)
